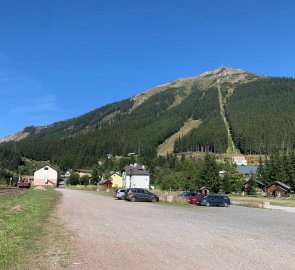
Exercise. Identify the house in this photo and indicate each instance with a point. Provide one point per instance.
(116, 179)
(135, 176)
(46, 176)
(106, 183)
(278, 189)
(247, 171)
(83, 172)
(68, 173)
(204, 190)
(259, 186)
(239, 160)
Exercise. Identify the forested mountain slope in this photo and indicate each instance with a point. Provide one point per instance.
(262, 115)
(140, 124)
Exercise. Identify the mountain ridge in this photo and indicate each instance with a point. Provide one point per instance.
(204, 81)
(236, 111)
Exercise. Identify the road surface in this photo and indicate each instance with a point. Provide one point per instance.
(114, 234)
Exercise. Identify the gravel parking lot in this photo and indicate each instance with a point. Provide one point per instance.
(113, 234)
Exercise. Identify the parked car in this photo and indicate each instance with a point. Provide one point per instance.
(187, 194)
(214, 200)
(119, 193)
(140, 194)
(195, 199)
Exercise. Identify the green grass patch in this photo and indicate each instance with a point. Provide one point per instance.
(81, 187)
(23, 217)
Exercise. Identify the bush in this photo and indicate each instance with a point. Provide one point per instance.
(74, 179)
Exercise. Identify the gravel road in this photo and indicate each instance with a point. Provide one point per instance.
(113, 234)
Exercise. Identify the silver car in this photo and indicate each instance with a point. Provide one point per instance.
(119, 194)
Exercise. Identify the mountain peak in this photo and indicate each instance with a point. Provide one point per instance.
(222, 72)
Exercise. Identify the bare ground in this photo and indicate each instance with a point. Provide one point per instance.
(111, 234)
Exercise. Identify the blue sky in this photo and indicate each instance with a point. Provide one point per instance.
(60, 59)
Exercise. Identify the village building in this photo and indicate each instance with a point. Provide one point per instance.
(259, 186)
(135, 176)
(239, 160)
(204, 190)
(247, 171)
(106, 183)
(46, 176)
(84, 172)
(116, 179)
(278, 189)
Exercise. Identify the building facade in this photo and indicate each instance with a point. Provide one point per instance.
(46, 176)
(135, 176)
(116, 179)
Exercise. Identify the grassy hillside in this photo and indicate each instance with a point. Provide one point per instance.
(168, 145)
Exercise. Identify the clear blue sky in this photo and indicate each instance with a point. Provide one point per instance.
(62, 58)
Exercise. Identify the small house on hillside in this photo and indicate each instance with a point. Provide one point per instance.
(259, 186)
(239, 161)
(116, 180)
(278, 189)
(247, 171)
(83, 172)
(46, 176)
(135, 176)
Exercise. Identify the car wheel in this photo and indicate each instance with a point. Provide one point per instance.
(154, 199)
(207, 204)
(133, 199)
(122, 197)
(225, 204)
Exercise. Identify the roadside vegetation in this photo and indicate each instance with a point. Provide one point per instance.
(23, 221)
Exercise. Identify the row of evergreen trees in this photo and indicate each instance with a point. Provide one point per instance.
(279, 167)
(192, 174)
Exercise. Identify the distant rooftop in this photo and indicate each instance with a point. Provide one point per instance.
(247, 169)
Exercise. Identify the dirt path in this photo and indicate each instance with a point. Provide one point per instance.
(111, 234)
(231, 145)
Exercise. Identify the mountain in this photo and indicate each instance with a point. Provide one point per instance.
(224, 110)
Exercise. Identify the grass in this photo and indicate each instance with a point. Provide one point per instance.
(23, 218)
(252, 201)
(168, 145)
(82, 187)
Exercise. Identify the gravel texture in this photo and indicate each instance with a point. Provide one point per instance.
(115, 234)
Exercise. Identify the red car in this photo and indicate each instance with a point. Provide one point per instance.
(195, 199)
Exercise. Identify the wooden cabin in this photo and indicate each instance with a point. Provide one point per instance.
(259, 186)
(278, 189)
(204, 190)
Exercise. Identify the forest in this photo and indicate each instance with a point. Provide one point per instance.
(279, 167)
(262, 117)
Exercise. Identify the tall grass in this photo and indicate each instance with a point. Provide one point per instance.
(22, 219)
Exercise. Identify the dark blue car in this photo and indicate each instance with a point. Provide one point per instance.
(215, 200)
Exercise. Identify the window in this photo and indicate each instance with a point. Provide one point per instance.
(46, 168)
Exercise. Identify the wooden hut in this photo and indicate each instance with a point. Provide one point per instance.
(204, 190)
(259, 186)
(278, 189)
